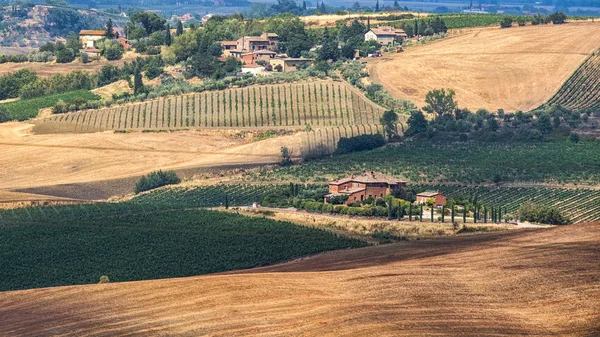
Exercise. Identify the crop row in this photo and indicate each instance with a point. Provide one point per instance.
(28, 108)
(581, 205)
(582, 89)
(322, 103)
(468, 162)
(127, 242)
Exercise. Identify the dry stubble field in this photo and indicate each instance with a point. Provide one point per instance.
(515, 69)
(529, 282)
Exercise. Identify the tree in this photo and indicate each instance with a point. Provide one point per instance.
(150, 21)
(65, 55)
(304, 5)
(286, 157)
(440, 102)
(396, 5)
(329, 48)
(389, 120)
(557, 18)
(138, 84)
(179, 29)
(4, 115)
(506, 23)
(377, 6)
(322, 8)
(73, 42)
(109, 32)
(168, 35)
(417, 124)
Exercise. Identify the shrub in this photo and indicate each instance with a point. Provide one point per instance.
(542, 214)
(65, 55)
(4, 116)
(84, 57)
(113, 52)
(40, 56)
(359, 143)
(104, 279)
(156, 179)
(506, 23)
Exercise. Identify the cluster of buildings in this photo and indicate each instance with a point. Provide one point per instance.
(377, 185)
(251, 49)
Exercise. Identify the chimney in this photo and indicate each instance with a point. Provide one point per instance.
(373, 174)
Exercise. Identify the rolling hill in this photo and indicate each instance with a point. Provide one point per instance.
(536, 283)
(514, 69)
(582, 89)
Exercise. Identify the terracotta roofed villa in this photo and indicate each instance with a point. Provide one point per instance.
(364, 186)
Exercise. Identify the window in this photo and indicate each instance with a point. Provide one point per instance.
(361, 197)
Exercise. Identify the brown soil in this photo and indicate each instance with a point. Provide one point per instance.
(515, 69)
(530, 282)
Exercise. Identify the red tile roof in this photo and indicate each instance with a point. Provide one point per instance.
(428, 194)
(92, 32)
(369, 177)
(387, 30)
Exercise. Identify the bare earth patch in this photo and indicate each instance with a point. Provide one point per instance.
(515, 69)
(526, 282)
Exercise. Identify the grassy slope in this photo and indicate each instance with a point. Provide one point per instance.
(41, 250)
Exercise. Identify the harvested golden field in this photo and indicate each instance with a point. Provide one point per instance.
(329, 20)
(32, 160)
(515, 69)
(536, 282)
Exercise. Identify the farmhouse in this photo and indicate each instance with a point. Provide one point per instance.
(252, 43)
(364, 186)
(384, 34)
(88, 38)
(287, 64)
(438, 197)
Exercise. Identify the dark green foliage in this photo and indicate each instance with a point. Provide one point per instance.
(542, 214)
(68, 245)
(338, 199)
(329, 47)
(506, 23)
(359, 143)
(150, 21)
(417, 124)
(138, 84)
(156, 179)
(557, 18)
(440, 102)
(65, 55)
(154, 67)
(179, 29)
(388, 121)
(28, 108)
(109, 32)
(168, 35)
(4, 115)
(11, 84)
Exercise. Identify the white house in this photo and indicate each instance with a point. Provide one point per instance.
(384, 34)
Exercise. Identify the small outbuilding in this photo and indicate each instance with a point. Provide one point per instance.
(439, 199)
(385, 34)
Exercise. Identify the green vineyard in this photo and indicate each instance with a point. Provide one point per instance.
(282, 106)
(581, 205)
(582, 89)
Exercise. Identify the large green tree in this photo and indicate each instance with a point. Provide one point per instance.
(440, 102)
(150, 21)
(389, 120)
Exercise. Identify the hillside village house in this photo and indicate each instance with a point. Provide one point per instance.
(438, 197)
(385, 34)
(288, 64)
(368, 185)
(88, 38)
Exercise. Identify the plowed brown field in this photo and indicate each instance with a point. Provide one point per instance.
(515, 69)
(537, 283)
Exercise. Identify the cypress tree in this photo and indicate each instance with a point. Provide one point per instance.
(226, 201)
(109, 33)
(137, 81)
(304, 5)
(485, 214)
(443, 211)
(377, 6)
(400, 211)
(493, 214)
(179, 29)
(168, 35)
(431, 213)
(499, 214)
(410, 212)
(421, 213)
(452, 214)
(465, 214)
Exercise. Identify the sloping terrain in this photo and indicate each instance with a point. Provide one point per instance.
(514, 69)
(582, 89)
(294, 105)
(536, 283)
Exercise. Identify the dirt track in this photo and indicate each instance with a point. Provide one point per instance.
(538, 283)
(515, 69)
